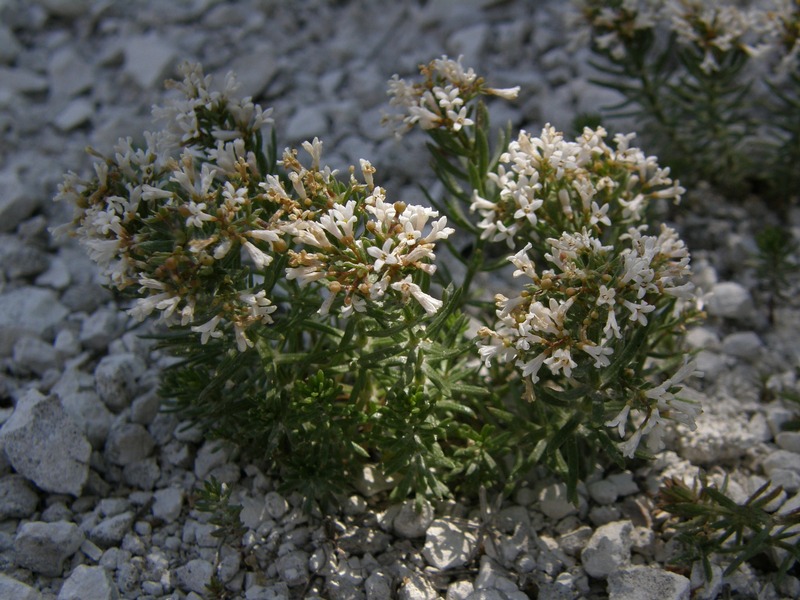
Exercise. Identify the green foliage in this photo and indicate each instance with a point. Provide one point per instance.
(712, 87)
(775, 265)
(214, 498)
(710, 522)
(313, 326)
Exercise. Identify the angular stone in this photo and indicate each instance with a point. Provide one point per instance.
(603, 491)
(413, 523)
(128, 443)
(56, 276)
(9, 46)
(18, 259)
(18, 500)
(647, 583)
(293, 568)
(35, 356)
(66, 8)
(102, 327)
(608, 549)
(553, 502)
(109, 532)
(27, 310)
(195, 575)
(449, 544)
(91, 415)
(781, 459)
(416, 587)
(116, 377)
(43, 547)
(731, 300)
(142, 474)
(89, 583)
(378, 586)
(45, 445)
(743, 344)
(22, 81)
(148, 59)
(210, 456)
(306, 123)
(69, 74)
(789, 441)
(78, 112)
(167, 504)
(255, 69)
(11, 588)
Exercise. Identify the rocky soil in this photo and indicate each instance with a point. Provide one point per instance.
(97, 486)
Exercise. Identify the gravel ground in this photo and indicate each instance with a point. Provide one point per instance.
(97, 486)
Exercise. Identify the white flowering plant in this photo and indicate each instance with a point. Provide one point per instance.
(716, 85)
(332, 329)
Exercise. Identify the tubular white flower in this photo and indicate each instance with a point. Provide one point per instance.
(384, 255)
(407, 288)
(314, 149)
(530, 368)
(208, 329)
(560, 360)
(504, 93)
(261, 259)
(599, 353)
(197, 217)
(620, 421)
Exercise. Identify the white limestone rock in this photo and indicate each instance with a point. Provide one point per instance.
(43, 547)
(18, 500)
(128, 443)
(22, 81)
(9, 45)
(32, 355)
(608, 550)
(116, 378)
(730, 300)
(293, 568)
(69, 74)
(306, 123)
(78, 112)
(90, 413)
(66, 8)
(254, 69)
(789, 441)
(167, 504)
(149, 59)
(743, 344)
(27, 310)
(109, 532)
(553, 501)
(89, 583)
(195, 575)
(412, 523)
(449, 544)
(11, 588)
(45, 445)
(647, 583)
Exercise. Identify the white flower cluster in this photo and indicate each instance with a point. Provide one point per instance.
(441, 100)
(359, 248)
(178, 230)
(579, 204)
(195, 113)
(617, 23)
(581, 312)
(607, 286)
(780, 31)
(711, 28)
(570, 185)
